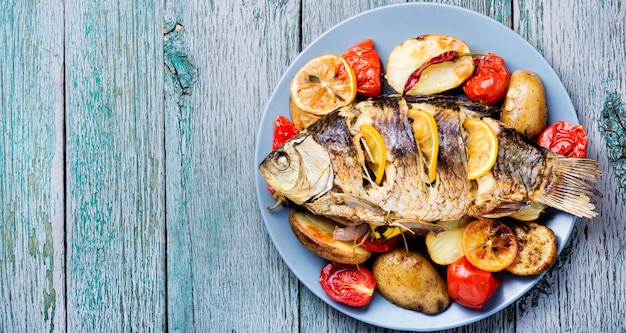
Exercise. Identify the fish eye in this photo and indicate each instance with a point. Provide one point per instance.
(282, 161)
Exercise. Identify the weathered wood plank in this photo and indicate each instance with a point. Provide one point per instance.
(115, 166)
(31, 167)
(584, 42)
(317, 17)
(222, 62)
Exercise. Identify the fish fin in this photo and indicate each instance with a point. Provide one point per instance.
(506, 209)
(415, 225)
(570, 188)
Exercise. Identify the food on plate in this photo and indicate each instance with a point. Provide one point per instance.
(427, 139)
(524, 107)
(374, 150)
(482, 147)
(283, 131)
(530, 213)
(445, 247)
(324, 170)
(565, 138)
(537, 248)
(489, 245)
(349, 284)
(316, 234)
(409, 280)
(470, 286)
(364, 59)
(489, 84)
(323, 84)
(371, 243)
(408, 56)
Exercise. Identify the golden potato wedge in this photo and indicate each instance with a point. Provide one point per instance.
(525, 108)
(445, 247)
(530, 213)
(316, 234)
(406, 57)
(410, 281)
(301, 119)
(537, 248)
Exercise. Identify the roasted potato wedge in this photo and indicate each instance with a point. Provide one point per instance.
(316, 234)
(410, 281)
(531, 212)
(525, 108)
(537, 249)
(405, 58)
(445, 247)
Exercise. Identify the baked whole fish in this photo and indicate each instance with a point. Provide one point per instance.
(323, 168)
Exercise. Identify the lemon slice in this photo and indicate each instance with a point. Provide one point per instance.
(482, 147)
(323, 84)
(427, 139)
(375, 147)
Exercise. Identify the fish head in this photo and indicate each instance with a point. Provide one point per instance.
(299, 170)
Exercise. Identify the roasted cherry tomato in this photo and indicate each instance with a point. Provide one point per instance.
(283, 131)
(374, 245)
(470, 286)
(490, 82)
(565, 139)
(363, 58)
(349, 284)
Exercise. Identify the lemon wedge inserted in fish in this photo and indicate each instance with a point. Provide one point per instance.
(376, 155)
(427, 139)
(482, 147)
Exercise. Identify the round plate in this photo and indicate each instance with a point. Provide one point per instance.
(387, 27)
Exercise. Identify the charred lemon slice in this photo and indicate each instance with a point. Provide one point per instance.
(323, 84)
(427, 139)
(489, 245)
(376, 156)
(482, 147)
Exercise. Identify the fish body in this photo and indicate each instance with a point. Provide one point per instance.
(323, 168)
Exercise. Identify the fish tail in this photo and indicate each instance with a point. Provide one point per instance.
(571, 185)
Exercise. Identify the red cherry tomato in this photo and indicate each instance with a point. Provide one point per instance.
(470, 286)
(363, 58)
(565, 139)
(283, 131)
(348, 284)
(490, 82)
(374, 245)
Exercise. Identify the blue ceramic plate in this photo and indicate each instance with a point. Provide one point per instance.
(388, 26)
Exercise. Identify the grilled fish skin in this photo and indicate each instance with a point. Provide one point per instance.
(323, 168)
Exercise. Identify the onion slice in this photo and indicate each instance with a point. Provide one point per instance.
(350, 233)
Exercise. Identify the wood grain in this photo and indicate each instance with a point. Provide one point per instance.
(584, 42)
(127, 133)
(115, 167)
(31, 167)
(223, 272)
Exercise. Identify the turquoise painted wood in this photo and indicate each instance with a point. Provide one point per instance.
(127, 135)
(115, 166)
(32, 265)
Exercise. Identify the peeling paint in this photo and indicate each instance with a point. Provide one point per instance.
(613, 127)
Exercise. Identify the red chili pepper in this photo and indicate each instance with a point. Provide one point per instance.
(565, 139)
(415, 76)
(490, 82)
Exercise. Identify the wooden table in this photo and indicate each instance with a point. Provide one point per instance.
(126, 148)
